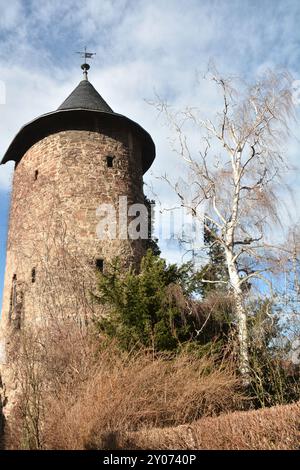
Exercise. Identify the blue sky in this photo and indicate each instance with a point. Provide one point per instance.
(4, 195)
(143, 48)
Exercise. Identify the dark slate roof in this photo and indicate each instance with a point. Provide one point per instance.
(84, 109)
(85, 97)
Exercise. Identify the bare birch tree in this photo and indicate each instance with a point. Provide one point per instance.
(237, 173)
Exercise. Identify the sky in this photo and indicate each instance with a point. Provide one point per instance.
(143, 49)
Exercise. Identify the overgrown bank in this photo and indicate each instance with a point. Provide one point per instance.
(72, 392)
(158, 358)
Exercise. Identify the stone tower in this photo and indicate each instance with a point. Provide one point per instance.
(68, 163)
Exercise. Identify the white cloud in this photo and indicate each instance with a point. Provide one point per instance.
(142, 47)
(10, 14)
(6, 172)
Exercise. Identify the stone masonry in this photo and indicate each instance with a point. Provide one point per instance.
(58, 185)
(68, 163)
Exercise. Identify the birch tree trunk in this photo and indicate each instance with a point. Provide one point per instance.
(241, 317)
(235, 175)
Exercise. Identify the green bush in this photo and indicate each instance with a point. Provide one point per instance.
(150, 308)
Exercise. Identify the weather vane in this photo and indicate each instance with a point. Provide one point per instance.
(86, 55)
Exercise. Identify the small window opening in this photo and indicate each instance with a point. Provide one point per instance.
(110, 161)
(99, 265)
(33, 275)
(36, 174)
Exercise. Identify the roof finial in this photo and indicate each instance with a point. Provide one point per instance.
(85, 67)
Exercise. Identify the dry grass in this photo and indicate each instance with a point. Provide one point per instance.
(276, 428)
(141, 392)
(75, 395)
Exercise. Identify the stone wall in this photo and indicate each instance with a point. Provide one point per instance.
(52, 241)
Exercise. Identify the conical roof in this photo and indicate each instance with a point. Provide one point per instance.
(84, 109)
(85, 96)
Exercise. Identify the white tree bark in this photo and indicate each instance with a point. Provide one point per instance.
(239, 180)
(241, 316)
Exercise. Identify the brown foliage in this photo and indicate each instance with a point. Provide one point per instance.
(276, 428)
(74, 394)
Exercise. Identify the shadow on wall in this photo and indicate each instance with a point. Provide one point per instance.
(2, 418)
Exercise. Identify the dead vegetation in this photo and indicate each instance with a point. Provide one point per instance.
(75, 392)
(72, 393)
(276, 428)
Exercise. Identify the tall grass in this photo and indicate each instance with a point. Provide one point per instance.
(74, 393)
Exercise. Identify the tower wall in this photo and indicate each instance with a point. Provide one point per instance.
(52, 242)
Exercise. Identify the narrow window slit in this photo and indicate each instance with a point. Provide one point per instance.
(110, 161)
(99, 265)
